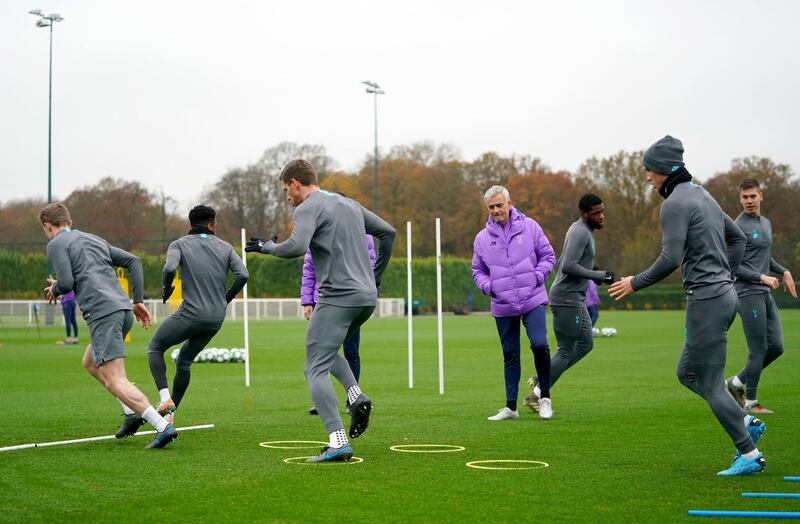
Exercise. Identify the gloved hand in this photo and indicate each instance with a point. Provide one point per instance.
(609, 279)
(254, 245)
(166, 293)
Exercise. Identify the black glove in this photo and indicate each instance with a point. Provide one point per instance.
(166, 293)
(254, 245)
(229, 296)
(609, 279)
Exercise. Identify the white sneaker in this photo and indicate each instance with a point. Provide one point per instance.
(545, 409)
(505, 414)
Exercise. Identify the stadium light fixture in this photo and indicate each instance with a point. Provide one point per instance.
(374, 89)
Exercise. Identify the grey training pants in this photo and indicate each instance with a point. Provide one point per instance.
(573, 329)
(764, 334)
(328, 328)
(701, 366)
(175, 330)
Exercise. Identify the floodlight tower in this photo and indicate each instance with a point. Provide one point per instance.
(49, 21)
(374, 89)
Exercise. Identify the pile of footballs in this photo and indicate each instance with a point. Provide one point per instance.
(216, 355)
(605, 332)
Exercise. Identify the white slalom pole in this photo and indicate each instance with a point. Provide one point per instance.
(246, 321)
(439, 302)
(91, 439)
(409, 307)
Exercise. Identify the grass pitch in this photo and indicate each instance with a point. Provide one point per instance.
(627, 442)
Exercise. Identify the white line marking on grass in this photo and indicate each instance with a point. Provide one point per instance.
(531, 464)
(277, 444)
(426, 448)
(91, 439)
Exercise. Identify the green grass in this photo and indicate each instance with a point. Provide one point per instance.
(627, 442)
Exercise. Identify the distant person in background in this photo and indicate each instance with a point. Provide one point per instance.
(593, 300)
(68, 309)
(754, 285)
(511, 261)
(309, 293)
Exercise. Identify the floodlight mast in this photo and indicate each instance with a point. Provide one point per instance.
(374, 89)
(48, 21)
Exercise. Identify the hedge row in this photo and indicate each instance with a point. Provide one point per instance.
(22, 276)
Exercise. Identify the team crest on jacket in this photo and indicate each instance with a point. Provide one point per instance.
(520, 239)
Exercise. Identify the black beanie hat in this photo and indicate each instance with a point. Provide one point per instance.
(665, 156)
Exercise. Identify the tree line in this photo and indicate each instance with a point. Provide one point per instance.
(420, 182)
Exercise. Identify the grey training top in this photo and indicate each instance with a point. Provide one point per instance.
(757, 259)
(333, 228)
(204, 261)
(85, 263)
(575, 267)
(701, 238)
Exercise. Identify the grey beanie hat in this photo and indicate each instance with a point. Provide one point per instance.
(665, 156)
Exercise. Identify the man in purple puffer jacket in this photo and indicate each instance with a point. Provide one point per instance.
(511, 261)
(309, 292)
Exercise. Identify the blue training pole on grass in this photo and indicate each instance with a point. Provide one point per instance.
(746, 514)
(792, 479)
(772, 495)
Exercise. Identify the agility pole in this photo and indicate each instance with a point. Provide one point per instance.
(92, 439)
(409, 309)
(246, 320)
(439, 302)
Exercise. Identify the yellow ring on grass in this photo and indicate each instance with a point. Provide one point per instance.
(444, 448)
(290, 460)
(474, 464)
(271, 444)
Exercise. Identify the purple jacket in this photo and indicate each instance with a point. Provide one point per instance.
(512, 266)
(592, 298)
(309, 288)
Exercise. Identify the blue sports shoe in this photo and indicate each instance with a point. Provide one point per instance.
(755, 427)
(744, 466)
(329, 454)
(163, 438)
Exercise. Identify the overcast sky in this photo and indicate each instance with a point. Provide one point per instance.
(174, 93)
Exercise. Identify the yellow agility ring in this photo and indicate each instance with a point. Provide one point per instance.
(426, 448)
(302, 461)
(304, 444)
(529, 464)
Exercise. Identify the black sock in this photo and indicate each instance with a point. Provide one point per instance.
(511, 404)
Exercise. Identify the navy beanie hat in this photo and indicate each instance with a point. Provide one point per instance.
(665, 156)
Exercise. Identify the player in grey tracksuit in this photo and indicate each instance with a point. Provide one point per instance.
(204, 260)
(571, 321)
(333, 227)
(754, 285)
(704, 241)
(86, 263)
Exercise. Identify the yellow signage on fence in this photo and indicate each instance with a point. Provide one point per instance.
(123, 283)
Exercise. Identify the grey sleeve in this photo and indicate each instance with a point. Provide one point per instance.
(236, 265)
(675, 223)
(736, 242)
(384, 234)
(63, 267)
(574, 245)
(297, 244)
(170, 266)
(775, 267)
(122, 258)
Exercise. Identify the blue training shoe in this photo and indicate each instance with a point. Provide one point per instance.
(744, 466)
(755, 427)
(164, 437)
(329, 454)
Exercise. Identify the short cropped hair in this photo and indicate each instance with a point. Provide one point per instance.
(496, 190)
(749, 183)
(588, 201)
(55, 214)
(301, 171)
(202, 215)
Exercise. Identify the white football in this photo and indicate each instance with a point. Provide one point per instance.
(595, 332)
